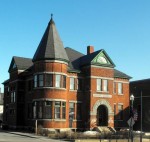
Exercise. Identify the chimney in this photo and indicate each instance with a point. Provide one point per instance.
(90, 49)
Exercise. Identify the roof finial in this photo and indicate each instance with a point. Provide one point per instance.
(51, 21)
(51, 15)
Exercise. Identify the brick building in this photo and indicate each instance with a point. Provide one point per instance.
(61, 84)
(141, 90)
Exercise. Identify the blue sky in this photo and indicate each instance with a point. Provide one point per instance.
(121, 27)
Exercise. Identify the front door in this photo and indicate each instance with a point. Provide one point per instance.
(102, 116)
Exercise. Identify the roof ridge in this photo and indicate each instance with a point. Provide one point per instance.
(74, 50)
(22, 57)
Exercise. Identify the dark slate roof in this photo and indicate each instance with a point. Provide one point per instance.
(119, 74)
(74, 58)
(142, 81)
(51, 46)
(6, 81)
(89, 57)
(21, 63)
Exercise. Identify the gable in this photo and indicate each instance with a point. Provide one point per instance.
(102, 59)
(12, 65)
(20, 63)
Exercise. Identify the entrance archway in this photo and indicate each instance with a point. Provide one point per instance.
(102, 116)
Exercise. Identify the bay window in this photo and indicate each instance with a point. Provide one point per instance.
(48, 80)
(57, 110)
(41, 80)
(63, 110)
(57, 80)
(35, 81)
(47, 110)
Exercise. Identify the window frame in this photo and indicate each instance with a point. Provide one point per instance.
(72, 109)
(58, 81)
(72, 83)
(105, 85)
(48, 80)
(99, 84)
(57, 110)
(35, 81)
(63, 106)
(120, 90)
(40, 80)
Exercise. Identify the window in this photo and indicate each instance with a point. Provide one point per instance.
(35, 81)
(72, 84)
(57, 81)
(102, 85)
(47, 110)
(72, 110)
(48, 80)
(64, 81)
(57, 110)
(114, 87)
(63, 110)
(120, 88)
(13, 97)
(99, 85)
(41, 80)
(120, 112)
(105, 87)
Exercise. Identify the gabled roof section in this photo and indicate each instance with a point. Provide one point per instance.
(20, 63)
(99, 58)
(51, 46)
(119, 74)
(74, 58)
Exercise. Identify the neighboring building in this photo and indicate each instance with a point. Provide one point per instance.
(141, 89)
(60, 84)
(1, 105)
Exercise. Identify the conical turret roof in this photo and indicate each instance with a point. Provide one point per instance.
(51, 46)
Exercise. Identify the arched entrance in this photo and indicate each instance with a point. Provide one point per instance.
(102, 116)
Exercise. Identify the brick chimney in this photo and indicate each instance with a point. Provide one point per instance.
(90, 49)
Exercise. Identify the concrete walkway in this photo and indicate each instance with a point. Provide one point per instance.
(7, 135)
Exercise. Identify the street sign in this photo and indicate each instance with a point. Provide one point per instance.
(131, 122)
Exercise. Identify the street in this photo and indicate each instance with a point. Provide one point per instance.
(7, 136)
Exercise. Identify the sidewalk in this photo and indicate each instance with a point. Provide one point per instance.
(31, 135)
